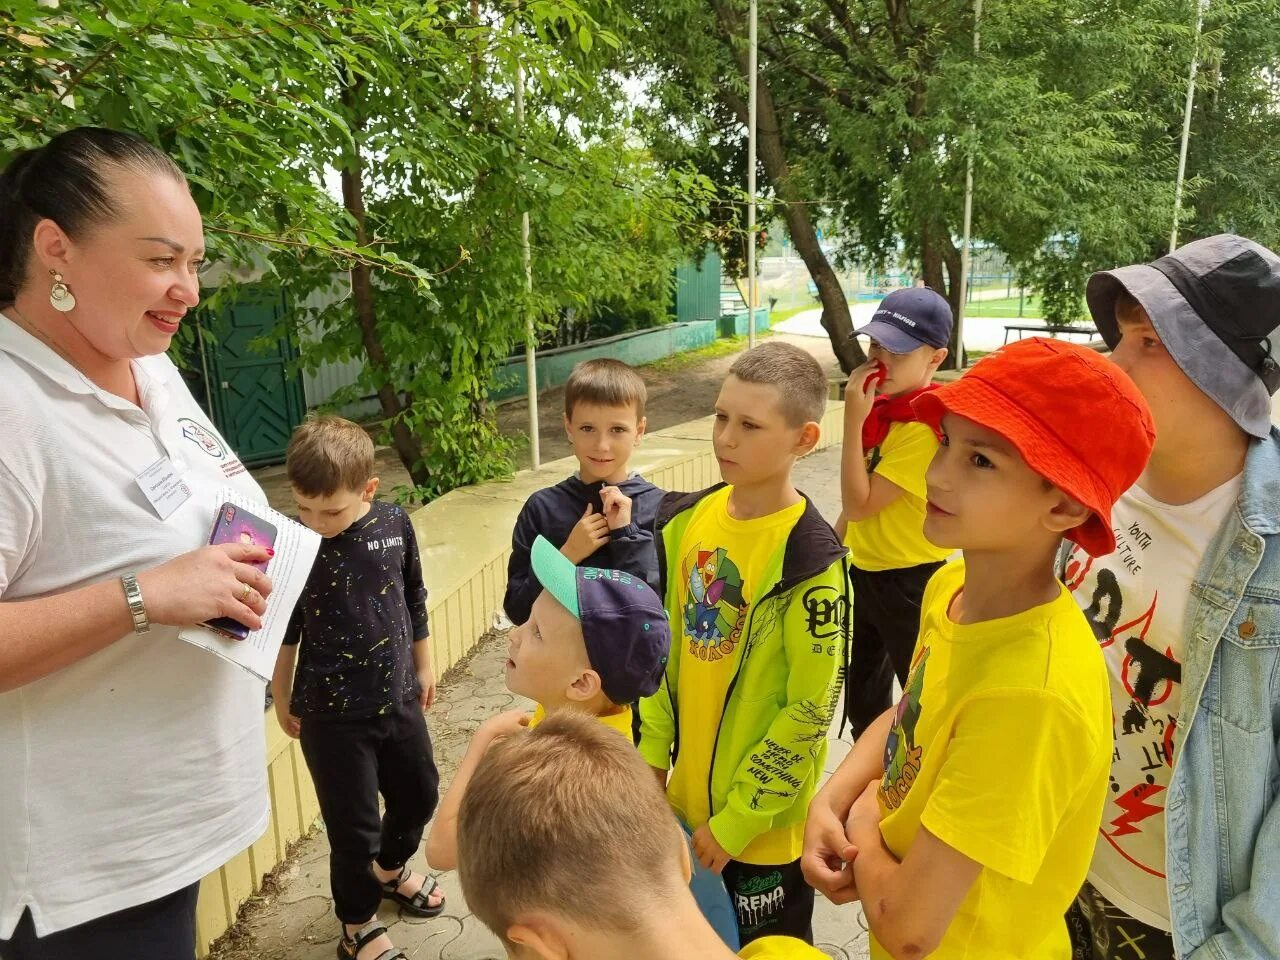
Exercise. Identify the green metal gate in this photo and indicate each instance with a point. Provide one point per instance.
(254, 400)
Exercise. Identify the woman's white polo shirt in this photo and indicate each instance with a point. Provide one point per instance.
(138, 770)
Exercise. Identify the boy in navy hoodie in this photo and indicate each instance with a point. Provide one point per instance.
(602, 514)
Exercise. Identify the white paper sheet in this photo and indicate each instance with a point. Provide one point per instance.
(296, 548)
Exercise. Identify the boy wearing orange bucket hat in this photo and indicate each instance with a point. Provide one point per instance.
(964, 818)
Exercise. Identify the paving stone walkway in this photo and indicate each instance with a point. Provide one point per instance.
(293, 918)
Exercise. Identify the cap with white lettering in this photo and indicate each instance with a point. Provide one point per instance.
(909, 319)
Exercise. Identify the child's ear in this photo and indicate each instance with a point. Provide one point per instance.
(641, 425)
(568, 427)
(539, 936)
(939, 356)
(686, 861)
(370, 489)
(810, 434)
(1066, 513)
(585, 687)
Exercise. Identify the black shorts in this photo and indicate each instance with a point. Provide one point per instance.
(886, 623)
(1102, 931)
(163, 929)
(770, 901)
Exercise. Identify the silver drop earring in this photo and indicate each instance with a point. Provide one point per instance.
(60, 296)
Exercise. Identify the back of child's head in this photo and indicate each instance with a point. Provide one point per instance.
(1075, 418)
(793, 373)
(567, 819)
(328, 455)
(605, 383)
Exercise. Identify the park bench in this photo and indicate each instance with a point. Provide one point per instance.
(1090, 332)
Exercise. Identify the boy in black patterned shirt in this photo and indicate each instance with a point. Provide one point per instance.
(363, 677)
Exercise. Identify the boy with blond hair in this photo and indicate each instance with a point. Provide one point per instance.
(603, 513)
(353, 678)
(884, 457)
(964, 818)
(567, 851)
(595, 641)
(756, 586)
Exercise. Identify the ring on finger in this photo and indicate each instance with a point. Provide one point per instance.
(244, 593)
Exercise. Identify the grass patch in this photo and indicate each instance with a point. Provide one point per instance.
(721, 348)
(777, 316)
(1006, 308)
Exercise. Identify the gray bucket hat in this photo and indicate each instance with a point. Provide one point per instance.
(1216, 305)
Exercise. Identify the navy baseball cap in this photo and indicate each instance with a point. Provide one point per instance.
(624, 624)
(909, 319)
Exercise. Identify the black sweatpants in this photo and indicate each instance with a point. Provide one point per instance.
(886, 623)
(771, 901)
(352, 760)
(163, 929)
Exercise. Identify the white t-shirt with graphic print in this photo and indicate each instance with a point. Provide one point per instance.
(1136, 600)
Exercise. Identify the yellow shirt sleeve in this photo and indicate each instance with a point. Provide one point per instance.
(1011, 774)
(905, 455)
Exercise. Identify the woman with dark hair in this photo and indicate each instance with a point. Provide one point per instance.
(133, 762)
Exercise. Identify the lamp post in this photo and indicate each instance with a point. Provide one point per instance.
(751, 178)
(1201, 6)
(968, 207)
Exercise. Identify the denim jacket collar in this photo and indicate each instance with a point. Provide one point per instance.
(1260, 498)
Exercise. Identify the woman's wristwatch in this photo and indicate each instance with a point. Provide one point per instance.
(137, 610)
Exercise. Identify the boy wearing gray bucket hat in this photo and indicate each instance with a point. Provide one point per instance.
(1187, 611)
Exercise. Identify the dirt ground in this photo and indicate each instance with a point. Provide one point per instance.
(675, 395)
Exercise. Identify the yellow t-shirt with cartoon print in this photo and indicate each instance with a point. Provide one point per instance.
(894, 538)
(1001, 748)
(724, 560)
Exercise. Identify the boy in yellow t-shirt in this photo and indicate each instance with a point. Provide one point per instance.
(566, 851)
(882, 496)
(595, 641)
(965, 818)
(756, 588)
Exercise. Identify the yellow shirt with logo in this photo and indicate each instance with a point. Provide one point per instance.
(619, 720)
(780, 948)
(1001, 748)
(723, 561)
(894, 538)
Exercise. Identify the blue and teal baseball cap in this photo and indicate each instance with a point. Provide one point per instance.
(623, 621)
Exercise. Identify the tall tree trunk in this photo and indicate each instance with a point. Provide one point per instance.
(940, 268)
(836, 319)
(407, 444)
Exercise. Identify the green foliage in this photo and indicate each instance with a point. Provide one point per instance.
(1072, 110)
(268, 105)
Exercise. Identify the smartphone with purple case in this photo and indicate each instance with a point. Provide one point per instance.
(237, 525)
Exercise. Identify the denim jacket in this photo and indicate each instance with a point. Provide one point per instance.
(1223, 818)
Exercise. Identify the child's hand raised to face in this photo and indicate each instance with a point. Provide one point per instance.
(588, 535)
(617, 507)
(860, 392)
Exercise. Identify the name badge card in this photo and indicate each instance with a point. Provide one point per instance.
(164, 487)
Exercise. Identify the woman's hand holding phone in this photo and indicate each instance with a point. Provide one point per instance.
(207, 584)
